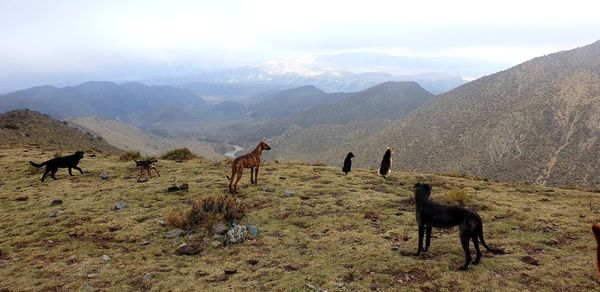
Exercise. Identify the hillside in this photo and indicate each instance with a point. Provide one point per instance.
(134, 102)
(31, 129)
(131, 138)
(333, 232)
(292, 101)
(536, 122)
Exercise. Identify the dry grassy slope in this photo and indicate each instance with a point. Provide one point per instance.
(319, 235)
(129, 137)
(33, 129)
(536, 122)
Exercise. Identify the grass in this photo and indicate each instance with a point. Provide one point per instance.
(335, 232)
(179, 154)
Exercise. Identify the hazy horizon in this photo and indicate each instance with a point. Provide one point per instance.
(66, 42)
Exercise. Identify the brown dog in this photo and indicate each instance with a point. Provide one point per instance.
(250, 160)
(596, 229)
(147, 165)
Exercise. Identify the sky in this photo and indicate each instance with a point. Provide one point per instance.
(44, 41)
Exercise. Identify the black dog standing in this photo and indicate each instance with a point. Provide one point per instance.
(54, 164)
(348, 163)
(386, 163)
(430, 214)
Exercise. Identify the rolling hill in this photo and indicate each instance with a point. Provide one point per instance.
(537, 122)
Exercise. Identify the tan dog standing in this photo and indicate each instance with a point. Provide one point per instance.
(250, 160)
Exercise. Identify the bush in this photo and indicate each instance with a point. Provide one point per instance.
(457, 196)
(10, 126)
(130, 155)
(207, 212)
(179, 154)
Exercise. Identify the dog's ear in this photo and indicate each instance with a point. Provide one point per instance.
(417, 185)
(428, 186)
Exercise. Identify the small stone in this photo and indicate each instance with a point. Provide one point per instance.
(144, 242)
(104, 175)
(252, 261)
(53, 213)
(173, 233)
(216, 243)
(288, 193)
(142, 179)
(530, 260)
(147, 277)
(120, 205)
(311, 286)
(253, 230)
(184, 187)
(105, 258)
(219, 228)
(161, 222)
(173, 189)
(201, 273)
(3, 263)
(91, 276)
(22, 199)
(236, 234)
(395, 248)
(55, 202)
(188, 249)
(88, 287)
(230, 271)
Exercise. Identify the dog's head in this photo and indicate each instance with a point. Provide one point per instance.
(350, 155)
(422, 191)
(79, 154)
(264, 146)
(390, 150)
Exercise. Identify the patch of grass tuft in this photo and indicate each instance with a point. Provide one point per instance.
(179, 154)
(207, 212)
(130, 155)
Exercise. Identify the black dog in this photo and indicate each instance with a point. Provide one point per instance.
(54, 164)
(147, 165)
(430, 214)
(348, 163)
(385, 169)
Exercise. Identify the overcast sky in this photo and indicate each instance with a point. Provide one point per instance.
(62, 37)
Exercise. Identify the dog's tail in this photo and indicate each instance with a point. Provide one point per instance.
(38, 165)
(493, 250)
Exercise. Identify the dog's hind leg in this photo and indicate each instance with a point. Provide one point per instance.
(427, 238)
(476, 244)
(53, 172)
(44, 175)
(155, 169)
(239, 172)
(465, 238)
(256, 176)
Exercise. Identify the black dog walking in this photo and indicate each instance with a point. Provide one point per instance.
(430, 214)
(348, 163)
(54, 164)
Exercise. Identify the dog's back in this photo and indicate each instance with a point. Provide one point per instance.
(61, 162)
(386, 163)
(348, 163)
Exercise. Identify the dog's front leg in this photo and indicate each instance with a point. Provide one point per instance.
(427, 238)
(421, 233)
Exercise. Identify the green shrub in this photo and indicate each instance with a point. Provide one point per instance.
(456, 196)
(130, 155)
(179, 154)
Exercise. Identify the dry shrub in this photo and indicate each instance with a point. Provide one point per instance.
(209, 211)
(456, 196)
(179, 154)
(319, 163)
(130, 155)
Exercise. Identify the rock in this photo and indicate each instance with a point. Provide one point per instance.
(105, 258)
(144, 242)
(55, 202)
(290, 268)
(216, 243)
(53, 213)
(104, 175)
(147, 277)
(219, 228)
(22, 199)
(253, 230)
(530, 260)
(387, 235)
(161, 222)
(252, 261)
(91, 276)
(88, 287)
(268, 190)
(230, 271)
(201, 273)
(142, 179)
(184, 187)
(173, 189)
(282, 178)
(395, 248)
(236, 234)
(173, 233)
(3, 263)
(288, 193)
(189, 249)
(120, 205)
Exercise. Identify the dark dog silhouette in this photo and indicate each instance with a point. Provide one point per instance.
(147, 165)
(385, 169)
(430, 214)
(348, 163)
(54, 164)
(250, 160)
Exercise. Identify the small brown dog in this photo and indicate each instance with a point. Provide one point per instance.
(250, 160)
(147, 165)
(596, 229)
